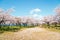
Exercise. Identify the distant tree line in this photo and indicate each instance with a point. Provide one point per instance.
(53, 19)
(8, 20)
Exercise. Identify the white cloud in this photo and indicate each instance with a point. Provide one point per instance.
(35, 13)
(37, 16)
(36, 10)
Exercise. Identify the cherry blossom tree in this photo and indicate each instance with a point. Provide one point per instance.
(5, 17)
(57, 16)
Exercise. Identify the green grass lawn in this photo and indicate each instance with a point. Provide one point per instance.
(17, 28)
(13, 28)
(52, 28)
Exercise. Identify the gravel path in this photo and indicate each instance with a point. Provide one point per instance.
(31, 34)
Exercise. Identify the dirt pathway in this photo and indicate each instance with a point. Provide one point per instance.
(32, 34)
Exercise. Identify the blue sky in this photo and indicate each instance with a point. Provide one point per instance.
(24, 7)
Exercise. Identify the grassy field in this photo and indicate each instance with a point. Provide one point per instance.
(13, 28)
(35, 33)
(51, 27)
(17, 28)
